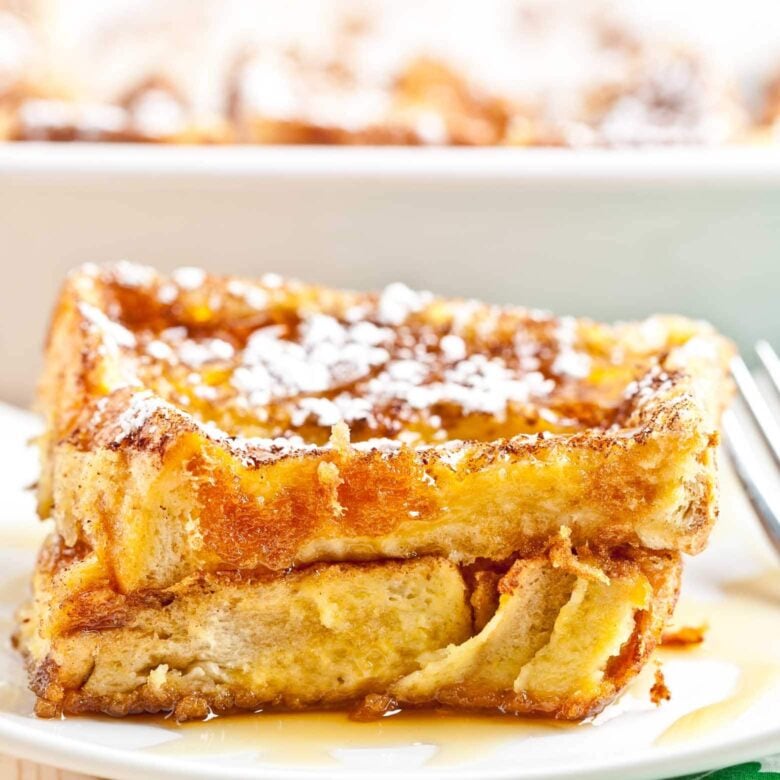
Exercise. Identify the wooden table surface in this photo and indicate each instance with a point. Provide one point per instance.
(16, 769)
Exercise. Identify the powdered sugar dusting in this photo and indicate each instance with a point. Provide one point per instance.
(378, 445)
(571, 363)
(159, 350)
(324, 410)
(144, 405)
(476, 384)
(272, 281)
(452, 453)
(118, 334)
(398, 301)
(141, 408)
(568, 360)
(133, 275)
(167, 293)
(174, 347)
(189, 278)
(696, 348)
(253, 449)
(453, 347)
(251, 294)
(197, 353)
(328, 354)
(642, 390)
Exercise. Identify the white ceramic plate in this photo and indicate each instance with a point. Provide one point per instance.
(723, 708)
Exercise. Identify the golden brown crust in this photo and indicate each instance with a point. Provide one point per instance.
(622, 455)
(684, 636)
(660, 691)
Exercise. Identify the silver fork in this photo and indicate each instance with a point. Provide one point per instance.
(761, 486)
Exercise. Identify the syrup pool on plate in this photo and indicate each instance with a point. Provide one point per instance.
(317, 737)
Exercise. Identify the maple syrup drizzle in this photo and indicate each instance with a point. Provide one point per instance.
(318, 737)
(744, 629)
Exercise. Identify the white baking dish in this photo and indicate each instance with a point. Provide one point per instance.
(612, 234)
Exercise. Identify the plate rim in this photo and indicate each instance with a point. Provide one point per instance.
(79, 756)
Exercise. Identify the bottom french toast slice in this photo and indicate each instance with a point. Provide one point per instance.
(558, 634)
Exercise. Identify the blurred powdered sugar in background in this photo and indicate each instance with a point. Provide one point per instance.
(533, 52)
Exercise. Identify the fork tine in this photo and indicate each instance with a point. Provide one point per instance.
(744, 459)
(770, 361)
(762, 414)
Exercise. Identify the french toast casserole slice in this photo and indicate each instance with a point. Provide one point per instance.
(506, 492)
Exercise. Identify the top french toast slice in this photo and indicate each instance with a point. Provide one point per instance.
(200, 423)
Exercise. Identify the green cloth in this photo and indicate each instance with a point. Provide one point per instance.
(755, 770)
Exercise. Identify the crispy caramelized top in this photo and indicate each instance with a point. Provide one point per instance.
(197, 422)
(284, 361)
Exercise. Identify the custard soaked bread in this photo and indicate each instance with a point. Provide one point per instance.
(566, 635)
(198, 423)
(272, 494)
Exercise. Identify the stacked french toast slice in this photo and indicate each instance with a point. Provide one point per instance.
(269, 494)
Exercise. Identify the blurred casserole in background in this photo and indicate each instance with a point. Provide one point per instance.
(513, 73)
